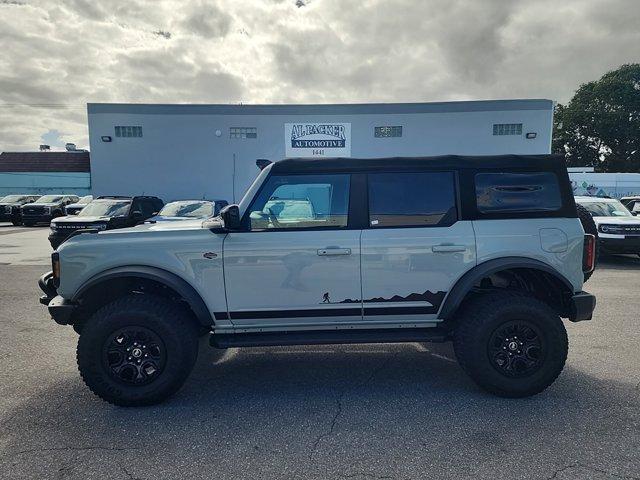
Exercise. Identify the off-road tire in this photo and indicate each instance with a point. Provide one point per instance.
(167, 320)
(483, 316)
(589, 226)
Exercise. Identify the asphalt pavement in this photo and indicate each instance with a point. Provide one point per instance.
(354, 412)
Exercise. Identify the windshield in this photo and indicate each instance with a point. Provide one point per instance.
(187, 209)
(101, 208)
(606, 209)
(49, 199)
(85, 199)
(12, 198)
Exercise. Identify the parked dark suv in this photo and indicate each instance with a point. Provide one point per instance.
(10, 207)
(46, 208)
(105, 213)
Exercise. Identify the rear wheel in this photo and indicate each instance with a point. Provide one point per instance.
(589, 226)
(511, 344)
(137, 350)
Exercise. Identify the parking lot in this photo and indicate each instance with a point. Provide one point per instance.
(356, 412)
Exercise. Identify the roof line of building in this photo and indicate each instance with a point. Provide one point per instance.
(320, 109)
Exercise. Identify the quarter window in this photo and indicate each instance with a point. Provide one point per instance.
(425, 199)
(301, 201)
(517, 192)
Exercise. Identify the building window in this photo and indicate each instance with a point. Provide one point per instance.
(387, 132)
(507, 129)
(517, 192)
(243, 132)
(128, 131)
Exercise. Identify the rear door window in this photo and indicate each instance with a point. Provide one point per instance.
(517, 192)
(418, 199)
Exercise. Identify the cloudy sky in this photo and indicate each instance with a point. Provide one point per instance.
(56, 56)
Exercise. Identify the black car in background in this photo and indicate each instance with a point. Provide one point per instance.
(46, 208)
(105, 213)
(10, 207)
(74, 208)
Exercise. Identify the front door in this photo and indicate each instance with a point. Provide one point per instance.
(297, 264)
(414, 248)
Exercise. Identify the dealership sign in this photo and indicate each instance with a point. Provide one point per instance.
(317, 139)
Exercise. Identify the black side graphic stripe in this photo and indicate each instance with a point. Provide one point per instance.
(400, 310)
(316, 312)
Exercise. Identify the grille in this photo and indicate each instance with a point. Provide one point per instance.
(4, 209)
(73, 226)
(35, 210)
(631, 229)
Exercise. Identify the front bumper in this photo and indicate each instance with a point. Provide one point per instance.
(9, 216)
(59, 307)
(37, 218)
(582, 306)
(627, 244)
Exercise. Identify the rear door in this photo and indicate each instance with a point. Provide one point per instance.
(415, 246)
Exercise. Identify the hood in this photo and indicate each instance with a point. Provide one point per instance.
(77, 205)
(163, 218)
(76, 219)
(158, 227)
(41, 205)
(613, 220)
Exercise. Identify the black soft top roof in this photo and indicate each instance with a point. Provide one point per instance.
(321, 165)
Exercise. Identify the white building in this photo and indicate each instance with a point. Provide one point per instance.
(196, 151)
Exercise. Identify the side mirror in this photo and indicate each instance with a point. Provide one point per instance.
(137, 216)
(231, 217)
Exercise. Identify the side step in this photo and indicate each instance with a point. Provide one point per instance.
(327, 337)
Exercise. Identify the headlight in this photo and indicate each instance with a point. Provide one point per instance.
(55, 268)
(613, 229)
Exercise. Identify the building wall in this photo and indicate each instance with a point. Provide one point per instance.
(180, 155)
(45, 182)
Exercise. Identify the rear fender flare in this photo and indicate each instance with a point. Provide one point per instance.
(469, 279)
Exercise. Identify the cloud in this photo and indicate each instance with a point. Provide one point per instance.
(59, 55)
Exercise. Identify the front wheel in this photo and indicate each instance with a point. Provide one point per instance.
(511, 344)
(137, 350)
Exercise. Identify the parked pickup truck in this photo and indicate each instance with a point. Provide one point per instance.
(487, 252)
(45, 209)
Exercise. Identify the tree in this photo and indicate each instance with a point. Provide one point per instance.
(600, 126)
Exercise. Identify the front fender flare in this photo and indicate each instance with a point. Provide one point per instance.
(469, 279)
(171, 280)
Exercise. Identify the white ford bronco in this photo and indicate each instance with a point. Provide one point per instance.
(487, 252)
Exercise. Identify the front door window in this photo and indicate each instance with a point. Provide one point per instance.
(301, 202)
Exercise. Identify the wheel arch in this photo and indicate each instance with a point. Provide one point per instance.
(470, 279)
(153, 274)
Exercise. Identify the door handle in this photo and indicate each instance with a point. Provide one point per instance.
(333, 251)
(448, 248)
